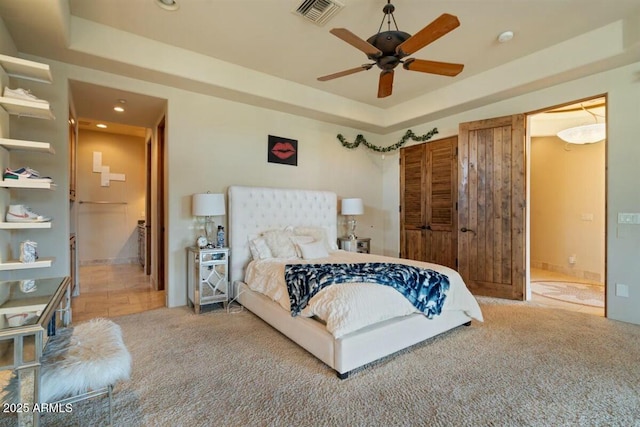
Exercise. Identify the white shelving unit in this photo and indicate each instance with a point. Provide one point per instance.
(23, 183)
(25, 69)
(23, 225)
(29, 70)
(18, 265)
(20, 145)
(24, 108)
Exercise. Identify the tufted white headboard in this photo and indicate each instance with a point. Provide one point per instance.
(253, 210)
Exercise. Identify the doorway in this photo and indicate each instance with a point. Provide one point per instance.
(115, 270)
(567, 208)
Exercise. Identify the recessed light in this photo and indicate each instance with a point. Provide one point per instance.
(118, 109)
(168, 4)
(505, 36)
(101, 126)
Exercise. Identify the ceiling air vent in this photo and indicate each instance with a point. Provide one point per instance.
(318, 11)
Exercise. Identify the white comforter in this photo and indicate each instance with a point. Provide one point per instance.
(350, 306)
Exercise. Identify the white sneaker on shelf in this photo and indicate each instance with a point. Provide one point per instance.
(20, 93)
(22, 213)
(20, 319)
(25, 173)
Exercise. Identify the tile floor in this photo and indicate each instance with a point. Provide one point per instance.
(542, 275)
(114, 290)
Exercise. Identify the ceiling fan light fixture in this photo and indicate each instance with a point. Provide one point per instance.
(585, 134)
(170, 5)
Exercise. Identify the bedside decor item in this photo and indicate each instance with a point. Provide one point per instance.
(282, 150)
(408, 135)
(220, 237)
(351, 208)
(208, 205)
(202, 242)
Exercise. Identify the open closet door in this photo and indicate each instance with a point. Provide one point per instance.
(491, 206)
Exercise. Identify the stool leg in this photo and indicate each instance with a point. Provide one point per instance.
(110, 405)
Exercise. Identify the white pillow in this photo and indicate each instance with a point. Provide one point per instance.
(259, 249)
(301, 240)
(280, 244)
(313, 250)
(318, 233)
(347, 307)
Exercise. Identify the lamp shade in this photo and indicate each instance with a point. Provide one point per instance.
(207, 204)
(586, 134)
(352, 207)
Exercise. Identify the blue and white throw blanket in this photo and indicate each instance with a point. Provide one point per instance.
(424, 288)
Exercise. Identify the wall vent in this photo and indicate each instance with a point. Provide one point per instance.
(318, 11)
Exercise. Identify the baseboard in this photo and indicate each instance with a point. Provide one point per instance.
(569, 271)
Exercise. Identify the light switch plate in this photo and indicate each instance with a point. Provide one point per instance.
(622, 290)
(628, 218)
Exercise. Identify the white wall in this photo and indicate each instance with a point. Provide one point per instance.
(622, 86)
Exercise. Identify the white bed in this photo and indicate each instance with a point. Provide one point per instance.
(254, 210)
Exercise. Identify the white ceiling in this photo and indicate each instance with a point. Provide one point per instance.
(265, 36)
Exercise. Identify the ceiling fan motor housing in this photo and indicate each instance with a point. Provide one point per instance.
(387, 42)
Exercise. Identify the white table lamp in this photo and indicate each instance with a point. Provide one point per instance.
(351, 208)
(208, 205)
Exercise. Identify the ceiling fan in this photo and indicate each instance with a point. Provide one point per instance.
(389, 48)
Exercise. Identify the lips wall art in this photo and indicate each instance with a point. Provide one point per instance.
(282, 150)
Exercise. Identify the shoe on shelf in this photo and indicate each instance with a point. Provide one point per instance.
(25, 173)
(20, 319)
(20, 93)
(22, 213)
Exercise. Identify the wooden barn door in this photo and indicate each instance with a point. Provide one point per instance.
(491, 206)
(428, 174)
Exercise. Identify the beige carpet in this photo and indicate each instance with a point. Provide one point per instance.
(525, 366)
(576, 293)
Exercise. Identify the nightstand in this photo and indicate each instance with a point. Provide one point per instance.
(359, 244)
(207, 277)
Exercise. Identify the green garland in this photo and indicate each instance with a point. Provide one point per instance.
(360, 140)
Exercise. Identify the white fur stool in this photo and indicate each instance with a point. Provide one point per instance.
(84, 361)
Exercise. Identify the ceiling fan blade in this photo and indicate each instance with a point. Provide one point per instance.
(385, 84)
(345, 72)
(370, 50)
(433, 67)
(432, 32)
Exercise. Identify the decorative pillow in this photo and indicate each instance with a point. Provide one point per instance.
(301, 240)
(280, 244)
(259, 248)
(313, 250)
(318, 233)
